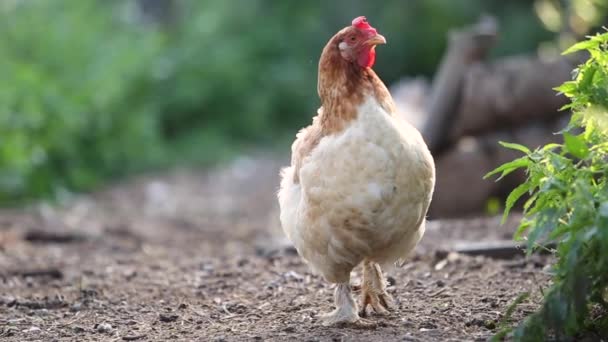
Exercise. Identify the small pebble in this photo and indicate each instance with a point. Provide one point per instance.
(32, 329)
(475, 321)
(167, 318)
(104, 328)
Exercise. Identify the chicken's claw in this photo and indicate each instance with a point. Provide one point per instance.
(373, 291)
(381, 303)
(338, 319)
(362, 323)
(345, 313)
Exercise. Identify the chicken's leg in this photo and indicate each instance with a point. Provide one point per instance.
(346, 309)
(373, 290)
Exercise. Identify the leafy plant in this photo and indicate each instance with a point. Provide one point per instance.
(74, 103)
(567, 186)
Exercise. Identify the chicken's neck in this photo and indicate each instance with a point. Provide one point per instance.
(343, 87)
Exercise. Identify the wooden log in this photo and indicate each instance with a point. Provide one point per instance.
(464, 48)
(510, 93)
(54, 273)
(506, 249)
(492, 249)
(44, 236)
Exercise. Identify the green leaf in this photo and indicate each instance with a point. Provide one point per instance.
(550, 147)
(576, 146)
(565, 107)
(514, 146)
(584, 45)
(587, 79)
(504, 322)
(509, 167)
(567, 88)
(518, 236)
(513, 197)
(603, 209)
(546, 221)
(530, 201)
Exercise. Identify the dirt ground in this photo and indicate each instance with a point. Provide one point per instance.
(198, 256)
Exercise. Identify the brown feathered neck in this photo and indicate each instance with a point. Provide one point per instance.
(344, 85)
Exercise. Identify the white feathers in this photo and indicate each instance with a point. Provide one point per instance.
(363, 194)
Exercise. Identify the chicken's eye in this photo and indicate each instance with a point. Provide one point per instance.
(353, 38)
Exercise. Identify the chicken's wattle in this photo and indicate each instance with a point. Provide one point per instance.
(367, 58)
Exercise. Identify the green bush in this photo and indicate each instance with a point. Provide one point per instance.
(248, 69)
(90, 92)
(75, 102)
(568, 206)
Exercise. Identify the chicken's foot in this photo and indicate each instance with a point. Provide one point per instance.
(346, 310)
(373, 290)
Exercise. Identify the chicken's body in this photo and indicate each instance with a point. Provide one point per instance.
(362, 194)
(358, 189)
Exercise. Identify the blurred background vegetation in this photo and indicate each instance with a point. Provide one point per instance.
(92, 90)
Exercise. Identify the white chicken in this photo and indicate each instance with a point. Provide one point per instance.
(360, 181)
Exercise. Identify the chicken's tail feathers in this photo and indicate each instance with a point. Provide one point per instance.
(289, 197)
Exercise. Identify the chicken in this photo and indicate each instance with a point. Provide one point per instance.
(360, 180)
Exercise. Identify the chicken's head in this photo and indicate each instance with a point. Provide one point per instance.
(357, 43)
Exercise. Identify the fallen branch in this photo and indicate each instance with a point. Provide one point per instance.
(43, 236)
(497, 249)
(54, 273)
(492, 249)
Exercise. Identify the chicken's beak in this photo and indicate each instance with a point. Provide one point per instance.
(376, 39)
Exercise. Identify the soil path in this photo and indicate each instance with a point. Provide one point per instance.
(194, 256)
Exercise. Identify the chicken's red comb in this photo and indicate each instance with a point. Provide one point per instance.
(362, 24)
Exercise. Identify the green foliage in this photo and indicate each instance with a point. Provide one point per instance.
(73, 97)
(504, 325)
(248, 69)
(90, 92)
(568, 203)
